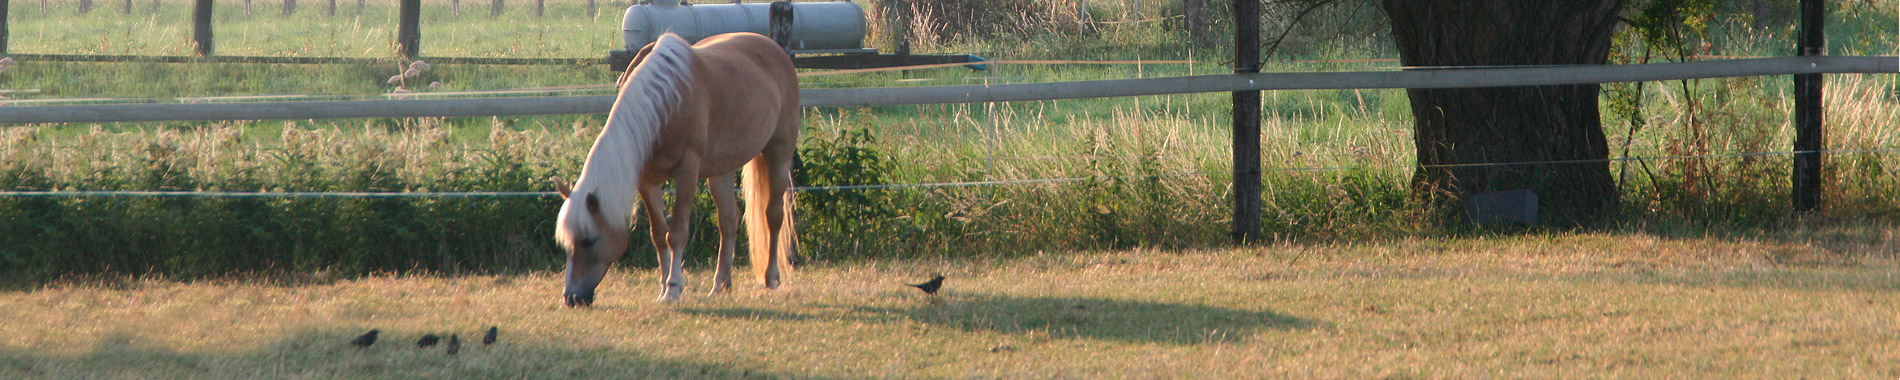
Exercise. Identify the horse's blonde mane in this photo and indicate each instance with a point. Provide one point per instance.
(654, 91)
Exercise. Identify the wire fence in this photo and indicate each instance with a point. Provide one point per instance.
(878, 187)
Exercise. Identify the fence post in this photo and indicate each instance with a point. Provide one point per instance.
(781, 24)
(1246, 124)
(1193, 13)
(201, 27)
(408, 32)
(3, 27)
(897, 14)
(1808, 140)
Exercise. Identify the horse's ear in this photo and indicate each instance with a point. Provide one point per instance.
(560, 186)
(593, 204)
(637, 58)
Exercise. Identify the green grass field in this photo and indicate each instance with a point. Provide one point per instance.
(1810, 299)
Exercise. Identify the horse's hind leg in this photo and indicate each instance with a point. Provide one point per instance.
(724, 196)
(775, 212)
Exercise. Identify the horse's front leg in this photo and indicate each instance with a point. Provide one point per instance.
(685, 187)
(650, 197)
(725, 197)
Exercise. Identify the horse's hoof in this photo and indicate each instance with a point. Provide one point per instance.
(671, 293)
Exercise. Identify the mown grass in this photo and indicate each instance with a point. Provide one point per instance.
(1811, 298)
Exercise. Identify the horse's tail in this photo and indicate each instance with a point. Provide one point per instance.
(757, 178)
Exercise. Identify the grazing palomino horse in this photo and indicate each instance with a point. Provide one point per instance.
(687, 112)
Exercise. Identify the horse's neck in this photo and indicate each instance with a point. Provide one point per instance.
(645, 104)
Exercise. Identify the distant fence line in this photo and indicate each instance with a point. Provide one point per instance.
(408, 35)
(298, 60)
(884, 96)
(495, 8)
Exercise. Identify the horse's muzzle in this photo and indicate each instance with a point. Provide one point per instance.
(580, 299)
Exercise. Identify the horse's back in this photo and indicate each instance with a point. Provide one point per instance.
(751, 55)
(752, 82)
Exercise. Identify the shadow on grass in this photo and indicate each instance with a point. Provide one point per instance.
(1794, 242)
(1058, 317)
(326, 354)
(1821, 280)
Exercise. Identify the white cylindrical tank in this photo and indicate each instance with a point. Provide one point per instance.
(815, 26)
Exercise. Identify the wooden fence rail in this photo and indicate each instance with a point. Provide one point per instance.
(884, 96)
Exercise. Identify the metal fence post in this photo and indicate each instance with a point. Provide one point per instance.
(1808, 140)
(1246, 124)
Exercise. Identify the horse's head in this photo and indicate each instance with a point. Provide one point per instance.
(592, 244)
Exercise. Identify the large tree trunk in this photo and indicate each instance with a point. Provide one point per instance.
(1547, 124)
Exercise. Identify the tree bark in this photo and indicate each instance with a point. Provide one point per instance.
(1547, 126)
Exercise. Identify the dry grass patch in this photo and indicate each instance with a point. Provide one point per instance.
(1809, 301)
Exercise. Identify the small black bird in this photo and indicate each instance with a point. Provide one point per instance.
(489, 338)
(455, 344)
(428, 340)
(364, 340)
(930, 287)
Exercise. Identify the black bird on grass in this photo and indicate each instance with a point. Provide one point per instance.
(428, 340)
(455, 344)
(489, 338)
(930, 287)
(365, 340)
